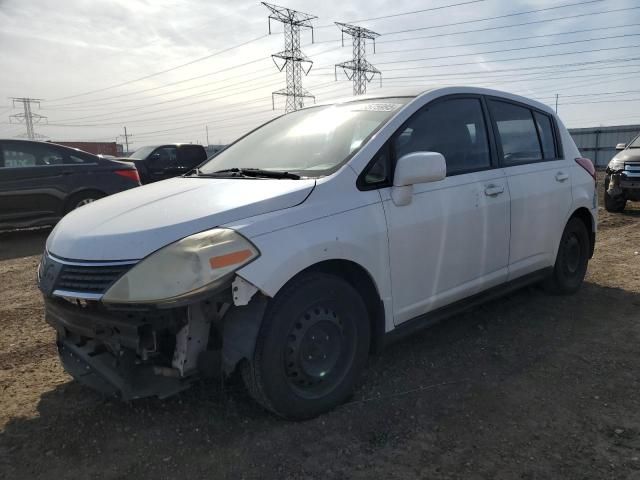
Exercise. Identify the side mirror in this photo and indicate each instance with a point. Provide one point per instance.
(416, 167)
(419, 167)
(621, 146)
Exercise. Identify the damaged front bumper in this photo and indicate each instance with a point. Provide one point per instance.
(139, 352)
(624, 182)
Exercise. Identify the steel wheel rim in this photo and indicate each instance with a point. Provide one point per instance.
(319, 349)
(573, 254)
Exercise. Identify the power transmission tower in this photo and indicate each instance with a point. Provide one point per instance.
(291, 58)
(361, 71)
(28, 117)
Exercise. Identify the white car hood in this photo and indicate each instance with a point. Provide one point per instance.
(132, 224)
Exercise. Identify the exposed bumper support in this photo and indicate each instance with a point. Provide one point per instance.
(121, 376)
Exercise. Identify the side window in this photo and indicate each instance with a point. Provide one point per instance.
(191, 157)
(545, 130)
(77, 159)
(164, 157)
(455, 128)
(517, 133)
(378, 172)
(17, 155)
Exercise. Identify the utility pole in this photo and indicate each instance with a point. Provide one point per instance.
(361, 71)
(206, 127)
(28, 117)
(126, 138)
(557, 95)
(291, 59)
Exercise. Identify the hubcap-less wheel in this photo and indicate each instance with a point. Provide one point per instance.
(312, 345)
(318, 352)
(572, 253)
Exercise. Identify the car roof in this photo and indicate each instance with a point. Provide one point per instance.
(39, 142)
(412, 92)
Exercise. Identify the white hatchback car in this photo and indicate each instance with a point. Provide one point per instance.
(314, 240)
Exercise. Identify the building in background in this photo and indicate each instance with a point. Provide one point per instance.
(97, 148)
(599, 143)
(213, 149)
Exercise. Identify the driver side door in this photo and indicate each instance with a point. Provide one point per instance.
(452, 240)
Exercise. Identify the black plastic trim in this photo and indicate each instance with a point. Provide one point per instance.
(431, 318)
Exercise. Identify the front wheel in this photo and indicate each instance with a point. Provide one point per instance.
(311, 349)
(571, 262)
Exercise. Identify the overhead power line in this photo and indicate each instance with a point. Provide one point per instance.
(498, 17)
(504, 40)
(531, 57)
(487, 29)
(413, 12)
(155, 74)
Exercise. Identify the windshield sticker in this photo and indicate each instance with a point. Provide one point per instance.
(377, 107)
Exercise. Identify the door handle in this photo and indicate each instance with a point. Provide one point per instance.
(561, 177)
(493, 190)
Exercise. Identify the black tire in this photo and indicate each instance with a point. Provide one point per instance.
(613, 204)
(311, 349)
(572, 260)
(80, 199)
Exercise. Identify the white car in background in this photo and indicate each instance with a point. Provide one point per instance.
(314, 240)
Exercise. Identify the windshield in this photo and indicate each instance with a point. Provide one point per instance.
(635, 143)
(142, 153)
(309, 142)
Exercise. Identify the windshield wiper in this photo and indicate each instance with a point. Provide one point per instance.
(258, 172)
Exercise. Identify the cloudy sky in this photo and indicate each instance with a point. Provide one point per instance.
(101, 65)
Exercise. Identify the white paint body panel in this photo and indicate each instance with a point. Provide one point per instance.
(448, 242)
(540, 206)
(137, 222)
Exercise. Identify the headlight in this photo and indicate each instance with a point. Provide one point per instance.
(616, 164)
(189, 266)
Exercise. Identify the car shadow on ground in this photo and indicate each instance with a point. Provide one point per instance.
(22, 243)
(479, 394)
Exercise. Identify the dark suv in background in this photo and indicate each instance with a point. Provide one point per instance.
(159, 162)
(41, 182)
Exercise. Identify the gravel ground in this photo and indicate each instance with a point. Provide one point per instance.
(530, 386)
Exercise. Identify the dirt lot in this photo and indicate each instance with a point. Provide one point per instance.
(530, 386)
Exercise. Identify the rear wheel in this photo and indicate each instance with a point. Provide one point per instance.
(312, 347)
(571, 262)
(612, 204)
(82, 198)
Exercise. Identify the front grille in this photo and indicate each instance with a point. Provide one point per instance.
(89, 278)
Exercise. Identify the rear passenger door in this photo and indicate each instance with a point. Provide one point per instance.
(539, 182)
(33, 181)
